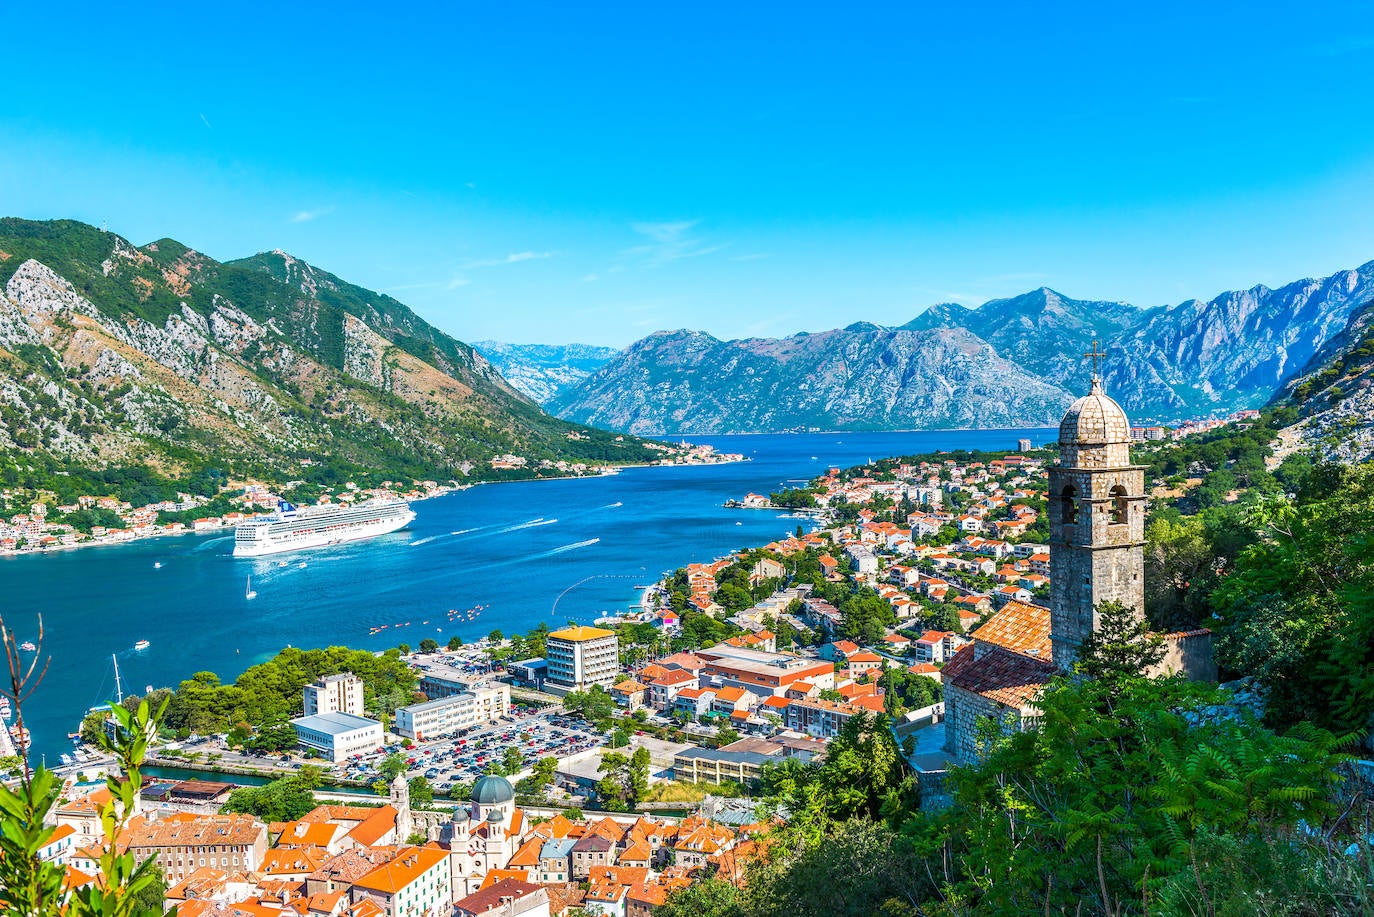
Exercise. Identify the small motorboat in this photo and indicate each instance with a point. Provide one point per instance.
(28, 646)
(142, 645)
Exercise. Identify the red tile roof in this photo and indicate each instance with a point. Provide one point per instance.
(1000, 675)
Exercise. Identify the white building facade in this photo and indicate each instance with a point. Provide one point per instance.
(446, 715)
(342, 693)
(337, 736)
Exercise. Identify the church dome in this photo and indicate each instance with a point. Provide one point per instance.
(1094, 420)
(492, 790)
(496, 816)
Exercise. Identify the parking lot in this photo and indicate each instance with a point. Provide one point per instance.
(466, 756)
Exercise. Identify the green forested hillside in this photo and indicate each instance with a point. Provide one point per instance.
(158, 358)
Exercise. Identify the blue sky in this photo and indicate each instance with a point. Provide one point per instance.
(594, 172)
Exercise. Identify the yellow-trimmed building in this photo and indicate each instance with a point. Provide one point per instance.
(580, 656)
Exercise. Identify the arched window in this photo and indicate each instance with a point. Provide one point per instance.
(1068, 505)
(1119, 505)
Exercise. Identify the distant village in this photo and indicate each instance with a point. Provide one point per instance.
(32, 531)
(42, 528)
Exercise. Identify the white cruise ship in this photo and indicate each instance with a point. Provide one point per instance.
(292, 529)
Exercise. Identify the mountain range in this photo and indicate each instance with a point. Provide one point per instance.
(1009, 362)
(542, 371)
(160, 357)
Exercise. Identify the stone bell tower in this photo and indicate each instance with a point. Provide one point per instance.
(400, 801)
(1097, 520)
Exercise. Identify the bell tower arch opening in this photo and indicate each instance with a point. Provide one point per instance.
(1120, 506)
(1068, 505)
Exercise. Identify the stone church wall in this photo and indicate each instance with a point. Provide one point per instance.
(1189, 653)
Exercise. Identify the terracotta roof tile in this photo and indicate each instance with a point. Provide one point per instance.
(1000, 675)
(1019, 627)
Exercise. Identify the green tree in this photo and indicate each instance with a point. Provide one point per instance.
(1111, 794)
(429, 645)
(704, 898)
(30, 885)
(281, 737)
(613, 789)
(392, 765)
(455, 642)
(1297, 612)
(862, 868)
(152, 897)
(1122, 645)
(637, 776)
(284, 799)
(421, 793)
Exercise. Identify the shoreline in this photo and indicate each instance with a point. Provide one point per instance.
(609, 471)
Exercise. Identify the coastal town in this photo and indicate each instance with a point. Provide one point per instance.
(686, 460)
(939, 544)
(598, 768)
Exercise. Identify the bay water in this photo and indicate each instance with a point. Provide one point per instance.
(521, 553)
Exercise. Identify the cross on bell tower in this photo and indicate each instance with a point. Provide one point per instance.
(1097, 519)
(1095, 355)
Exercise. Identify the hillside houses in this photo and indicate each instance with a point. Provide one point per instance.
(485, 859)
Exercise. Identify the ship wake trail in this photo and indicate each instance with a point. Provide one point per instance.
(570, 547)
(525, 525)
(415, 544)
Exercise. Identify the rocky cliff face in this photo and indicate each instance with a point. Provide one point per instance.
(858, 378)
(543, 371)
(1234, 351)
(1334, 395)
(114, 354)
(1004, 363)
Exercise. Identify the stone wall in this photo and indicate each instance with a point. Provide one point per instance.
(963, 710)
(1189, 653)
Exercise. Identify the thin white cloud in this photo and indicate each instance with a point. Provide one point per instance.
(457, 282)
(668, 242)
(512, 258)
(591, 278)
(305, 216)
(207, 121)
(752, 256)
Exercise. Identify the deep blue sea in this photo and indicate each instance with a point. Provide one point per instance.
(550, 550)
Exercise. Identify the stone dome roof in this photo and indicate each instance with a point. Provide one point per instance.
(492, 790)
(1094, 419)
(496, 816)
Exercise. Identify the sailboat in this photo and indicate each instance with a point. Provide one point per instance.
(248, 591)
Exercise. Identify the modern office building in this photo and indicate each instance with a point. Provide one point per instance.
(446, 715)
(579, 657)
(342, 693)
(338, 735)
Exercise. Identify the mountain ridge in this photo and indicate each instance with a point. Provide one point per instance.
(541, 371)
(1166, 362)
(161, 357)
